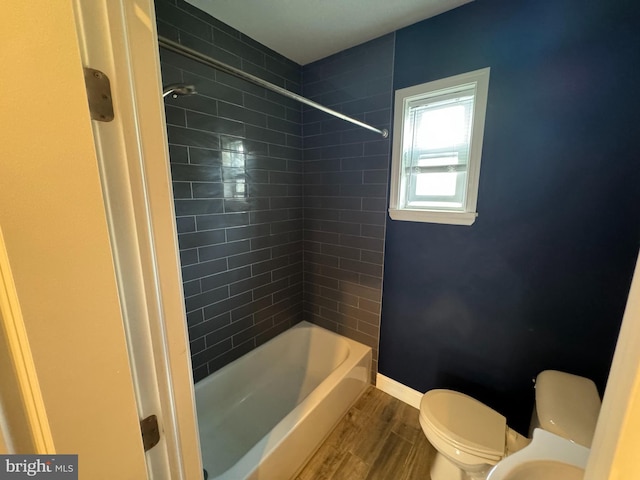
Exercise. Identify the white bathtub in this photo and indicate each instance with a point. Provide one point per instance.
(262, 416)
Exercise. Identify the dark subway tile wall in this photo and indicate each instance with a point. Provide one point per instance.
(236, 164)
(345, 190)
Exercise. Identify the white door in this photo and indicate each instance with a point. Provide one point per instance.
(119, 39)
(616, 443)
(99, 366)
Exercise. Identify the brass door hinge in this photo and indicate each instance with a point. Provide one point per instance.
(150, 432)
(98, 94)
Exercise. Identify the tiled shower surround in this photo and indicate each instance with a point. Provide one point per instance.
(259, 184)
(236, 165)
(345, 190)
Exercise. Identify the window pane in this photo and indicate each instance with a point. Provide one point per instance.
(442, 127)
(440, 190)
(436, 184)
(438, 136)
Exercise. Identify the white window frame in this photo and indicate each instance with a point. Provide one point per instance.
(467, 214)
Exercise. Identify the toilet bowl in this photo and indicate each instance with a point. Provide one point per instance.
(547, 457)
(470, 437)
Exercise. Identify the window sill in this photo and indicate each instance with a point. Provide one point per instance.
(430, 216)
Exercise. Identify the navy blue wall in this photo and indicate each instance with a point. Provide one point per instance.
(541, 279)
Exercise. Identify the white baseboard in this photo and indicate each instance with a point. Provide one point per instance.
(396, 389)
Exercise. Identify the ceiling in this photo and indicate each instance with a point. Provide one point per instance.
(308, 30)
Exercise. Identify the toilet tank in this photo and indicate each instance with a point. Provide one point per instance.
(567, 405)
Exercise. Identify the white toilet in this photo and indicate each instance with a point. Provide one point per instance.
(470, 437)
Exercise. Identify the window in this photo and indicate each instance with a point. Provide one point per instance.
(437, 145)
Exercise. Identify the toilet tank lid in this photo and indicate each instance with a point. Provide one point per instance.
(567, 405)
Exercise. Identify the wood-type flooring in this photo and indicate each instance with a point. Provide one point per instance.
(378, 439)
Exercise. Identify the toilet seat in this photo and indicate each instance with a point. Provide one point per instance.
(465, 423)
(462, 453)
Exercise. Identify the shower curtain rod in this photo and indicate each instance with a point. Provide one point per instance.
(223, 67)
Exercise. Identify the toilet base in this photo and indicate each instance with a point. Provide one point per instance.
(444, 469)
